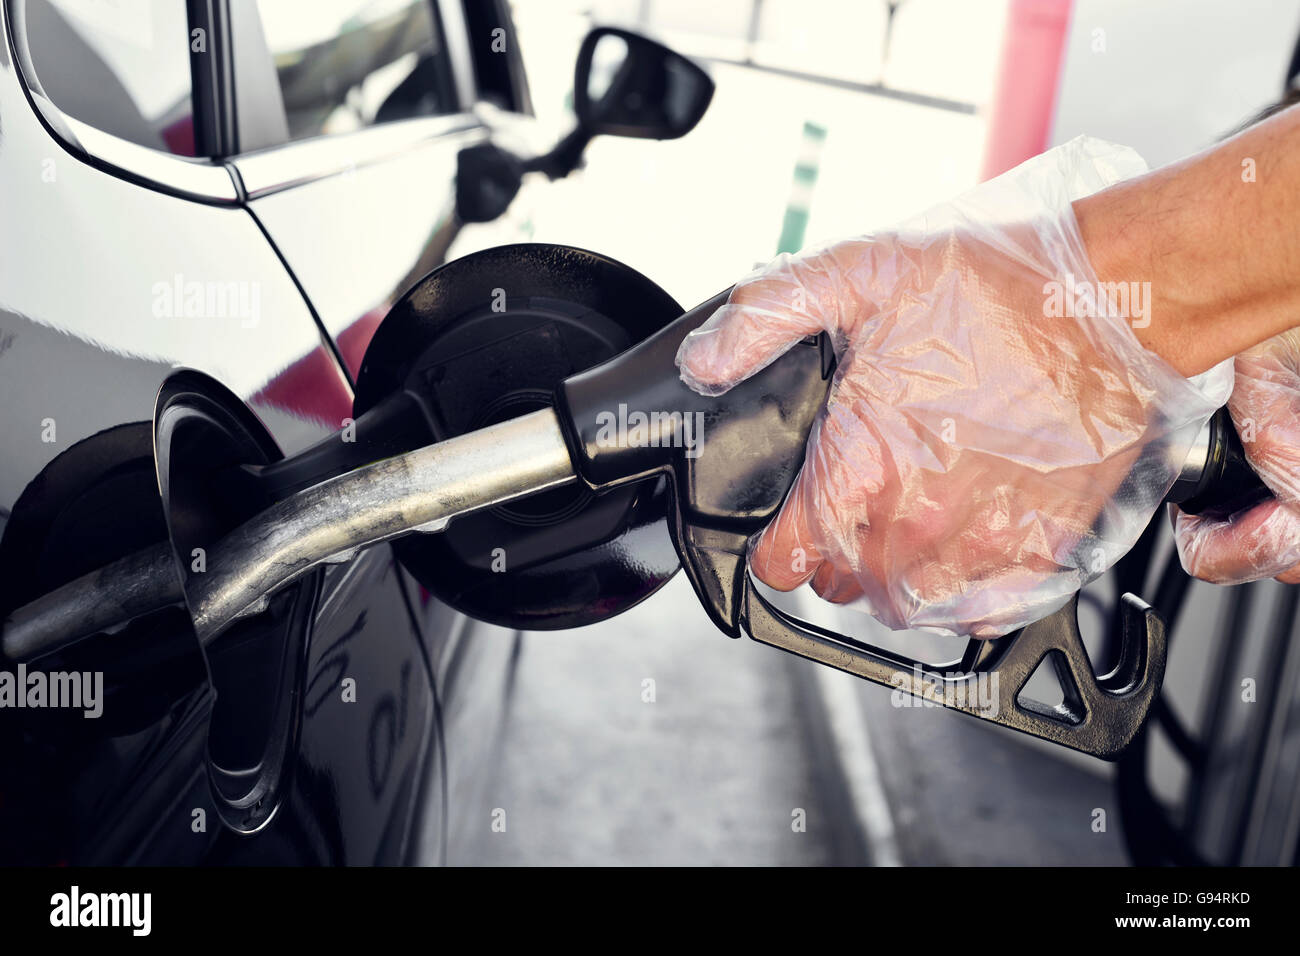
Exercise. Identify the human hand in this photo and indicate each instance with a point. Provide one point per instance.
(1262, 541)
(992, 440)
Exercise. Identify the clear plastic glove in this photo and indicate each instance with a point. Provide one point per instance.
(995, 437)
(1263, 541)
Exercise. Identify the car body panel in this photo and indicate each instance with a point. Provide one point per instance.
(90, 326)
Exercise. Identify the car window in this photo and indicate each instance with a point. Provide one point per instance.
(347, 64)
(123, 68)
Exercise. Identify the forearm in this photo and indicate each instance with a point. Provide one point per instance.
(1218, 241)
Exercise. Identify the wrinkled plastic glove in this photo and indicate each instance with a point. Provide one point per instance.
(1263, 541)
(995, 435)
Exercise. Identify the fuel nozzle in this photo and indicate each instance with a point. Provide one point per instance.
(1216, 480)
(632, 419)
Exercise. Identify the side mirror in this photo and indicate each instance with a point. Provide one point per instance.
(624, 84)
(628, 85)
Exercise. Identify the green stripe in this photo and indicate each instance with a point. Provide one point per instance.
(795, 223)
(792, 230)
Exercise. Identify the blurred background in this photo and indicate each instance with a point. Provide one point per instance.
(885, 114)
(892, 103)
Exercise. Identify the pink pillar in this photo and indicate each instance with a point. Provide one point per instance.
(1020, 116)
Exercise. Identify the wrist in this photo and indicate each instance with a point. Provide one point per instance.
(1134, 243)
(1212, 236)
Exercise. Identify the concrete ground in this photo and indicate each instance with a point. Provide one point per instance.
(739, 754)
(712, 763)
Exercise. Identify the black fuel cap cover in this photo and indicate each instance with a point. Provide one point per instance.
(489, 337)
